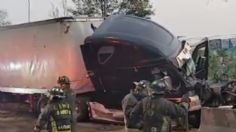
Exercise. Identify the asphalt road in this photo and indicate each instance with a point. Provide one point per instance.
(11, 121)
(17, 118)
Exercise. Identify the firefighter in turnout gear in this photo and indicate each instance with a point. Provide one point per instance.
(131, 99)
(157, 111)
(70, 97)
(57, 114)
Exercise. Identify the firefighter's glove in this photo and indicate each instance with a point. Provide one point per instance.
(186, 99)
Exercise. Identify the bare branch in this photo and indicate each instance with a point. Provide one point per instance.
(3, 18)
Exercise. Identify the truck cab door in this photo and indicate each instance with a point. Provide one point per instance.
(200, 58)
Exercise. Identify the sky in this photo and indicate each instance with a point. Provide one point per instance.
(182, 17)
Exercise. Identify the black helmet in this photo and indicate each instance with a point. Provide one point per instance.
(63, 80)
(142, 83)
(157, 87)
(57, 92)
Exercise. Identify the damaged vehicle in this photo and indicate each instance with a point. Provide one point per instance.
(124, 49)
(215, 65)
(103, 67)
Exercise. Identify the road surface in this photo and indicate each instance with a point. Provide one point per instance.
(16, 118)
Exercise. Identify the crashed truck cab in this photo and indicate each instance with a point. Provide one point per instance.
(124, 49)
(127, 48)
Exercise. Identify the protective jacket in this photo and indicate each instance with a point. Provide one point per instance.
(128, 103)
(157, 113)
(71, 99)
(58, 117)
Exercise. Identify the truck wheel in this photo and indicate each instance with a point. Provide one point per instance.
(195, 119)
(82, 108)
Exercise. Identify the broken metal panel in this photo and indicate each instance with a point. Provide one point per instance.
(195, 103)
(99, 113)
(184, 55)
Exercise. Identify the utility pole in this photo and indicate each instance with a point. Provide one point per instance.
(28, 10)
(105, 9)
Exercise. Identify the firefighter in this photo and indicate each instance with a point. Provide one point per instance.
(157, 111)
(70, 96)
(131, 99)
(57, 114)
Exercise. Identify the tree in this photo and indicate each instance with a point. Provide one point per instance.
(85, 7)
(54, 13)
(59, 11)
(141, 8)
(105, 8)
(94, 7)
(3, 18)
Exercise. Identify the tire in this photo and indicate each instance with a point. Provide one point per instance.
(82, 108)
(195, 119)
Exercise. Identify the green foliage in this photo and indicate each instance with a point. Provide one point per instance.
(222, 64)
(104, 8)
(94, 7)
(3, 18)
(85, 7)
(214, 66)
(141, 8)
